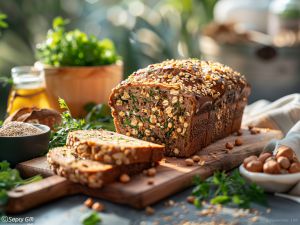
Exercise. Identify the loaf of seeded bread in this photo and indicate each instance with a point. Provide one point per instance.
(113, 148)
(64, 162)
(184, 104)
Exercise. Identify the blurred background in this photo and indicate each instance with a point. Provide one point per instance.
(259, 38)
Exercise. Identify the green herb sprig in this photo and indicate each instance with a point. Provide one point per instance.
(10, 178)
(3, 23)
(74, 48)
(99, 116)
(227, 189)
(91, 219)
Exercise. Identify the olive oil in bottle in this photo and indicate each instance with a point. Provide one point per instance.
(28, 89)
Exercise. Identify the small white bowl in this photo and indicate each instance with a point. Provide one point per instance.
(271, 183)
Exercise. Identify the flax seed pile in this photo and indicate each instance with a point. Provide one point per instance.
(19, 129)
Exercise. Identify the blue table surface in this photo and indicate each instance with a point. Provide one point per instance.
(70, 211)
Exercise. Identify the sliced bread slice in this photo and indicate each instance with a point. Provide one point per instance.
(64, 162)
(113, 148)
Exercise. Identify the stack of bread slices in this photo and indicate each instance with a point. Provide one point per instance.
(97, 157)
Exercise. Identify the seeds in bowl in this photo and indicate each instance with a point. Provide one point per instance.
(284, 161)
(19, 129)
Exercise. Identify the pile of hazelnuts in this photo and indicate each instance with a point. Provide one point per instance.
(283, 162)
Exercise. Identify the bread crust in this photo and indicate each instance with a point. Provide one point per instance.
(64, 162)
(213, 100)
(113, 148)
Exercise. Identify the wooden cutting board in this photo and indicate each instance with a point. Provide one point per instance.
(172, 176)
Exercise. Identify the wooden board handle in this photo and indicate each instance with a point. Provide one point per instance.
(34, 194)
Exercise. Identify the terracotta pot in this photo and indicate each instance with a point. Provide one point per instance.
(79, 86)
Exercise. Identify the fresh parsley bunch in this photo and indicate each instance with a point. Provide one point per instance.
(74, 48)
(99, 116)
(10, 178)
(228, 189)
(59, 137)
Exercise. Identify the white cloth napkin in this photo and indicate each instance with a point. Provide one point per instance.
(283, 114)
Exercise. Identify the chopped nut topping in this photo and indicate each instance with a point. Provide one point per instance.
(121, 113)
(125, 96)
(165, 102)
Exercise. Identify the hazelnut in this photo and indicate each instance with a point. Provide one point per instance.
(239, 133)
(271, 167)
(189, 162)
(248, 159)
(97, 206)
(254, 166)
(284, 162)
(150, 182)
(270, 158)
(196, 158)
(190, 199)
(151, 172)
(229, 145)
(285, 151)
(294, 168)
(124, 178)
(238, 142)
(89, 202)
(149, 210)
(264, 156)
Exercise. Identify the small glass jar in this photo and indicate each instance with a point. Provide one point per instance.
(28, 89)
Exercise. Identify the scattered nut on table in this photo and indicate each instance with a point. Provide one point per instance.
(124, 178)
(239, 133)
(151, 172)
(190, 199)
(189, 162)
(150, 182)
(196, 158)
(97, 206)
(229, 146)
(149, 210)
(89, 202)
(238, 142)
